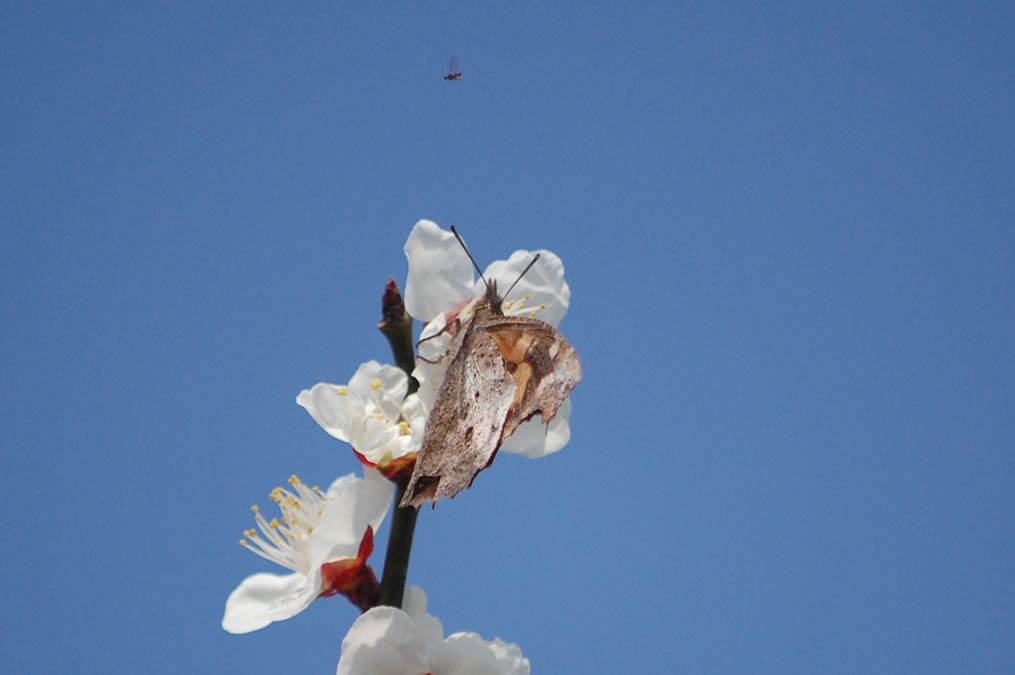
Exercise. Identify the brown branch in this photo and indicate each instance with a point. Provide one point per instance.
(396, 325)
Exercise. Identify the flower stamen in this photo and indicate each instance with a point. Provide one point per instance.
(283, 541)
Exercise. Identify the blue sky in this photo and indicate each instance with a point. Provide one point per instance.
(788, 231)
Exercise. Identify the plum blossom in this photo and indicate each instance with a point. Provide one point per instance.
(391, 641)
(323, 538)
(442, 286)
(371, 413)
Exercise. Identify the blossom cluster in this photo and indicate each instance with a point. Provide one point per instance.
(325, 538)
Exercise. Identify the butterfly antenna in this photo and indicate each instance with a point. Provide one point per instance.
(527, 268)
(468, 253)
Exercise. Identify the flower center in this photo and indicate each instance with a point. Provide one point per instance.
(519, 307)
(380, 399)
(284, 541)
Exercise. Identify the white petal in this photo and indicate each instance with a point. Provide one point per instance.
(430, 376)
(353, 504)
(415, 414)
(393, 380)
(440, 273)
(534, 439)
(468, 653)
(414, 604)
(508, 655)
(373, 438)
(433, 360)
(263, 598)
(383, 641)
(330, 408)
(378, 493)
(434, 340)
(544, 283)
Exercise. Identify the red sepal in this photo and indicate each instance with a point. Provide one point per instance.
(397, 470)
(352, 577)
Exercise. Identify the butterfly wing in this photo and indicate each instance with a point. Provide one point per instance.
(544, 365)
(466, 421)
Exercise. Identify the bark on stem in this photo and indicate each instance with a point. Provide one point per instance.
(396, 325)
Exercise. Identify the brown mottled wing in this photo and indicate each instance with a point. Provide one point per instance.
(544, 365)
(465, 425)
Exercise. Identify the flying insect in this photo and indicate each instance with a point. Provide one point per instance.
(452, 73)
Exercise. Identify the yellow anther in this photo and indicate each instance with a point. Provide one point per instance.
(317, 490)
(521, 305)
(343, 391)
(528, 296)
(375, 383)
(274, 523)
(294, 480)
(542, 306)
(255, 508)
(403, 429)
(532, 313)
(243, 542)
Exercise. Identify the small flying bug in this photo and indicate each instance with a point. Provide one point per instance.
(453, 72)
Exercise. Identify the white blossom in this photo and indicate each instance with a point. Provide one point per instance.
(409, 641)
(371, 413)
(315, 528)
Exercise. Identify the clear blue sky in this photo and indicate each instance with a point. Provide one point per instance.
(790, 237)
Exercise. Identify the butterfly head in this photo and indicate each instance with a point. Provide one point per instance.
(491, 301)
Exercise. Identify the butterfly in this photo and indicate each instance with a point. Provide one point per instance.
(502, 371)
